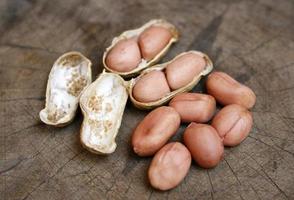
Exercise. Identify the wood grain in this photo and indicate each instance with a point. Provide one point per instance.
(251, 40)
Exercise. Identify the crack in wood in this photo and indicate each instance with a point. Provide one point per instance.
(273, 136)
(23, 129)
(35, 189)
(271, 112)
(254, 191)
(261, 45)
(24, 98)
(283, 67)
(131, 162)
(211, 185)
(8, 165)
(272, 147)
(52, 176)
(268, 177)
(150, 194)
(129, 186)
(236, 177)
(282, 89)
(28, 47)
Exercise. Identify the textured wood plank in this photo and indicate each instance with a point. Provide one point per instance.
(251, 40)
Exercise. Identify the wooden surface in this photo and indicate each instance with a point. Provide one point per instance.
(251, 40)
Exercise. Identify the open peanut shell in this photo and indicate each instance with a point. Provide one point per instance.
(102, 105)
(69, 76)
(150, 105)
(135, 33)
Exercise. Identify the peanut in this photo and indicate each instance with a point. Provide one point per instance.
(153, 40)
(151, 87)
(124, 56)
(204, 144)
(181, 71)
(155, 130)
(169, 166)
(233, 124)
(227, 90)
(194, 107)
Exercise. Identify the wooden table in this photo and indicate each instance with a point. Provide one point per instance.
(251, 40)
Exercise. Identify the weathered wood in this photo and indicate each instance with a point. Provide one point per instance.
(251, 40)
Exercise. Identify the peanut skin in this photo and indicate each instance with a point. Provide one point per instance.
(204, 144)
(233, 124)
(153, 40)
(227, 90)
(184, 69)
(151, 87)
(155, 130)
(169, 166)
(124, 56)
(194, 107)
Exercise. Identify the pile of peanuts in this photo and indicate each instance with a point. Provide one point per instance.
(206, 135)
(204, 143)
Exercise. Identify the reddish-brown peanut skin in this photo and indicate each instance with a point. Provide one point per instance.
(233, 123)
(124, 56)
(151, 87)
(153, 40)
(194, 107)
(184, 69)
(227, 90)
(204, 144)
(169, 166)
(155, 130)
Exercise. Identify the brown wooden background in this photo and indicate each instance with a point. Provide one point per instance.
(251, 40)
